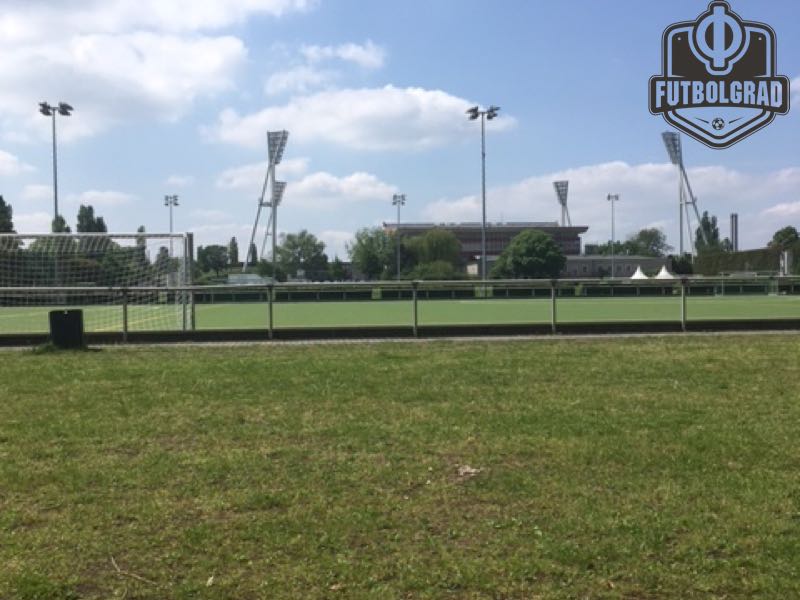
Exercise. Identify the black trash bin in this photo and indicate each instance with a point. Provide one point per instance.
(66, 328)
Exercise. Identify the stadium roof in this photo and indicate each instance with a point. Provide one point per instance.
(477, 225)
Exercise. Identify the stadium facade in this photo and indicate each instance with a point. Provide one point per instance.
(498, 236)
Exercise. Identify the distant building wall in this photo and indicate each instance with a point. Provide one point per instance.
(498, 236)
(600, 266)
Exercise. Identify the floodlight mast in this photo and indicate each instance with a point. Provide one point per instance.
(613, 198)
(170, 201)
(672, 141)
(398, 200)
(48, 110)
(276, 143)
(488, 114)
(562, 189)
(278, 188)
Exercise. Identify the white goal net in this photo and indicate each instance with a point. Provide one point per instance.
(98, 273)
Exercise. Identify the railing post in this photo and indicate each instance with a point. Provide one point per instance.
(683, 304)
(124, 316)
(185, 319)
(270, 290)
(192, 311)
(553, 312)
(414, 308)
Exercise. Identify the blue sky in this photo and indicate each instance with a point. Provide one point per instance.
(175, 97)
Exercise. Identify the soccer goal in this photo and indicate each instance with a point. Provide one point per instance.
(98, 272)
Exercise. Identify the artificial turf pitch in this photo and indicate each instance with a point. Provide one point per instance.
(398, 313)
(628, 468)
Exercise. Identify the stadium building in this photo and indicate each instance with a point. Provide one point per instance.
(498, 236)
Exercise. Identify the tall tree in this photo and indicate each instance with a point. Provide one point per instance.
(6, 220)
(372, 253)
(88, 223)
(213, 258)
(435, 245)
(784, 238)
(303, 252)
(60, 225)
(233, 251)
(648, 242)
(711, 242)
(337, 270)
(532, 255)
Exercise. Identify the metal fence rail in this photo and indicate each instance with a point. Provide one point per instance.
(561, 295)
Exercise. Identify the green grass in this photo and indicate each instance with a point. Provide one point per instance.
(639, 468)
(372, 313)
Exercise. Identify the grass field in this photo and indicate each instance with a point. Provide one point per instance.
(439, 312)
(639, 468)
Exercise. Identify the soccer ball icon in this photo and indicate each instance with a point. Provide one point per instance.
(718, 124)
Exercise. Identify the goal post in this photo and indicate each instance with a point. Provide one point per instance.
(100, 273)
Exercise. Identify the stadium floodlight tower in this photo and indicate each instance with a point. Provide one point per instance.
(48, 110)
(488, 114)
(562, 188)
(170, 201)
(398, 200)
(613, 198)
(672, 141)
(278, 188)
(276, 144)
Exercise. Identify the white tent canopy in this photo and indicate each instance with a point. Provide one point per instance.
(639, 273)
(665, 274)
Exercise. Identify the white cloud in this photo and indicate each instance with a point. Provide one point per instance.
(11, 165)
(212, 215)
(387, 118)
(648, 196)
(37, 222)
(336, 243)
(179, 180)
(36, 192)
(299, 79)
(98, 198)
(220, 233)
(368, 55)
(149, 56)
(37, 20)
(326, 191)
(154, 76)
(251, 176)
(786, 210)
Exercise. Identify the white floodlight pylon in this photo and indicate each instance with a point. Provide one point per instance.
(562, 189)
(278, 188)
(276, 144)
(672, 141)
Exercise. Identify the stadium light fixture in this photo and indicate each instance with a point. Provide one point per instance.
(562, 189)
(170, 201)
(473, 114)
(48, 110)
(613, 198)
(276, 143)
(672, 142)
(398, 200)
(278, 188)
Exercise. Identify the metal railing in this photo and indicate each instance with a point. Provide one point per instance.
(557, 292)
